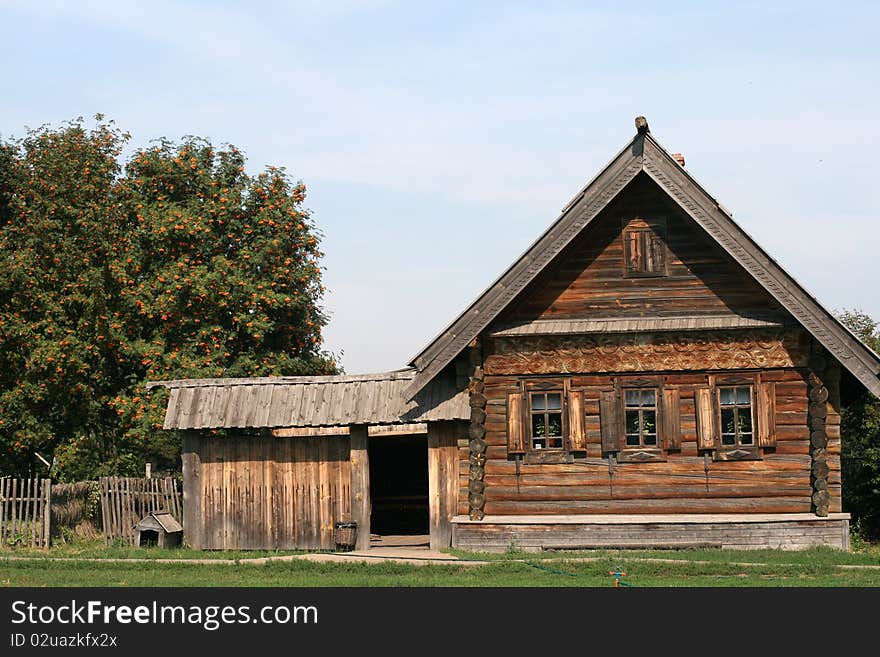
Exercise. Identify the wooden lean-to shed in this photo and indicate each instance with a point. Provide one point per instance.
(643, 375)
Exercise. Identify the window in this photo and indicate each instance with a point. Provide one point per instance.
(644, 252)
(545, 409)
(736, 417)
(546, 421)
(735, 404)
(641, 418)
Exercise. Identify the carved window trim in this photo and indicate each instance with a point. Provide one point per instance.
(641, 453)
(738, 450)
(571, 402)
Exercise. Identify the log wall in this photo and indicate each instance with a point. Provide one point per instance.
(686, 482)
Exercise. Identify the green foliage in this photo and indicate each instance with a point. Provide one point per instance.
(860, 431)
(177, 265)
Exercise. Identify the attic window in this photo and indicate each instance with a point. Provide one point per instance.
(644, 251)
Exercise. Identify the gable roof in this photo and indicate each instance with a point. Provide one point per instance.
(644, 154)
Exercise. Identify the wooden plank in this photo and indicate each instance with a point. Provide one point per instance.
(35, 511)
(670, 418)
(191, 518)
(442, 476)
(15, 510)
(765, 394)
(516, 434)
(577, 436)
(4, 503)
(707, 423)
(611, 420)
(360, 484)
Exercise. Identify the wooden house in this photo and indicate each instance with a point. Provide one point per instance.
(643, 375)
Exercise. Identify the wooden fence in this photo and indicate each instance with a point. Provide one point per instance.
(125, 500)
(25, 511)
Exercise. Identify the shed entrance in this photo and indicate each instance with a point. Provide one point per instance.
(399, 484)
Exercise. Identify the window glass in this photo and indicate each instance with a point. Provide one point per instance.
(736, 415)
(546, 420)
(641, 418)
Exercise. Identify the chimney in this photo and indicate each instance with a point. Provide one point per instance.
(678, 157)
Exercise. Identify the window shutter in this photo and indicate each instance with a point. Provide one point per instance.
(670, 418)
(635, 255)
(654, 253)
(577, 435)
(766, 414)
(707, 422)
(516, 434)
(611, 420)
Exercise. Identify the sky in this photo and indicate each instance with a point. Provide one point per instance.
(438, 140)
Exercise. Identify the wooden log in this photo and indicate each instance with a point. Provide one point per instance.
(476, 431)
(819, 394)
(818, 409)
(360, 484)
(476, 486)
(477, 400)
(820, 469)
(476, 500)
(477, 446)
(476, 472)
(793, 504)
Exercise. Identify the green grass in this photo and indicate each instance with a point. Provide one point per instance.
(865, 555)
(685, 568)
(95, 549)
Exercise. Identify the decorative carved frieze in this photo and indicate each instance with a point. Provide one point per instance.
(645, 352)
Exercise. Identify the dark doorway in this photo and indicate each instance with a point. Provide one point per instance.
(399, 484)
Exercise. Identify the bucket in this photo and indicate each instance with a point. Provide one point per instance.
(345, 535)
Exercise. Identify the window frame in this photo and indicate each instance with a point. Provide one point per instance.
(546, 412)
(651, 233)
(738, 451)
(640, 453)
(737, 407)
(641, 409)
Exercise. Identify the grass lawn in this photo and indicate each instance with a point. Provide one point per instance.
(62, 566)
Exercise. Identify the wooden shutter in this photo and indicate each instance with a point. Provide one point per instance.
(670, 418)
(707, 421)
(516, 429)
(654, 254)
(611, 420)
(635, 257)
(766, 414)
(577, 435)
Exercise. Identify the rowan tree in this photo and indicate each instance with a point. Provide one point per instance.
(176, 264)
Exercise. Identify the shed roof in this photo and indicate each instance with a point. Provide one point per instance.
(309, 401)
(644, 155)
(578, 326)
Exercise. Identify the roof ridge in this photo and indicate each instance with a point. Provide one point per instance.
(393, 375)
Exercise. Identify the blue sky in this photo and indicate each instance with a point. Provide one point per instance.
(437, 140)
